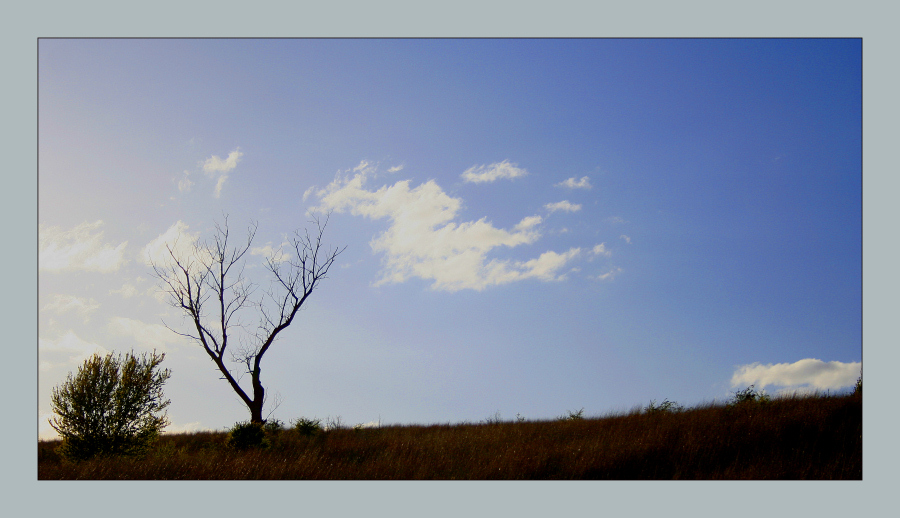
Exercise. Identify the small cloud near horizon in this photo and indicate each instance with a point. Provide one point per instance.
(808, 373)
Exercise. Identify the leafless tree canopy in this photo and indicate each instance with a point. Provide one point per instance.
(208, 284)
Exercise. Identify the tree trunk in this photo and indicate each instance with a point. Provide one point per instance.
(256, 406)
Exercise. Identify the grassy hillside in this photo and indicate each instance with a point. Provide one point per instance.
(815, 437)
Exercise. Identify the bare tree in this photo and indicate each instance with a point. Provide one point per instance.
(207, 283)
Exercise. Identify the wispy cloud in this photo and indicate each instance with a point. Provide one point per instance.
(563, 206)
(810, 373)
(601, 250)
(175, 428)
(572, 183)
(64, 303)
(424, 241)
(215, 165)
(607, 276)
(277, 255)
(626, 238)
(80, 248)
(127, 290)
(149, 336)
(68, 350)
(493, 172)
(177, 237)
(184, 183)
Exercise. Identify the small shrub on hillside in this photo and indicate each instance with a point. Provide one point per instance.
(307, 427)
(246, 435)
(273, 427)
(571, 415)
(750, 395)
(663, 408)
(493, 419)
(334, 423)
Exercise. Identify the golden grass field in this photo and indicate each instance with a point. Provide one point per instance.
(800, 437)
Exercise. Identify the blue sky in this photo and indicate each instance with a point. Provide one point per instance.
(532, 226)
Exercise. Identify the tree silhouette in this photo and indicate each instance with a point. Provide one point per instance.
(207, 283)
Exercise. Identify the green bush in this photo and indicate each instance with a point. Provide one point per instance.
(571, 415)
(493, 419)
(273, 427)
(307, 427)
(663, 408)
(111, 406)
(750, 395)
(246, 435)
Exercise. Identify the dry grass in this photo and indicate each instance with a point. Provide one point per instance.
(816, 437)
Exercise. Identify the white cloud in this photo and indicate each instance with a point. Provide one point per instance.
(529, 222)
(364, 166)
(63, 303)
(214, 165)
(150, 336)
(184, 184)
(396, 168)
(626, 238)
(546, 266)
(809, 372)
(269, 252)
(601, 250)
(572, 183)
(80, 248)
(608, 275)
(127, 291)
(184, 428)
(424, 241)
(182, 243)
(563, 205)
(175, 237)
(219, 184)
(69, 346)
(496, 171)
